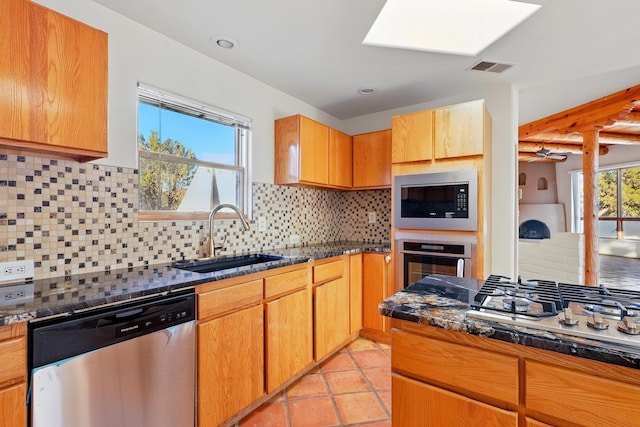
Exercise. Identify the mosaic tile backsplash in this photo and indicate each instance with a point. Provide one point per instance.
(73, 218)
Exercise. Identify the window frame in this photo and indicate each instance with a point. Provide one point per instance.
(619, 219)
(243, 138)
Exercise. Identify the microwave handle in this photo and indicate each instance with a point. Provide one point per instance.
(460, 268)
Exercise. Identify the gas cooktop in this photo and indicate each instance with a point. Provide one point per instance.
(601, 313)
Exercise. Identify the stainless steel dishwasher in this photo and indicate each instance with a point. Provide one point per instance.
(132, 365)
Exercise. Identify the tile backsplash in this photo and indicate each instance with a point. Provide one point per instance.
(73, 218)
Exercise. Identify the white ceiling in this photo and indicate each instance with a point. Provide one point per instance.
(312, 49)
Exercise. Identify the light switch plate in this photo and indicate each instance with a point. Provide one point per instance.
(294, 239)
(262, 223)
(372, 218)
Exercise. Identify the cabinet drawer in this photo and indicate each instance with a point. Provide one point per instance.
(418, 404)
(460, 368)
(285, 282)
(328, 271)
(216, 302)
(578, 397)
(13, 360)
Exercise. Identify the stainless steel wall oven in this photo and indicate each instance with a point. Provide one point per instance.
(420, 258)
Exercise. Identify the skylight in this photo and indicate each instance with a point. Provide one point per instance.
(461, 27)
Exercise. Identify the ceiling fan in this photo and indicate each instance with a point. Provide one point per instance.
(545, 153)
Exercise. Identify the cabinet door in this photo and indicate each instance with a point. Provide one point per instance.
(314, 152)
(459, 130)
(340, 159)
(289, 345)
(372, 160)
(574, 397)
(53, 94)
(418, 404)
(355, 293)
(230, 365)
(412, 137)
(13, 411)
(374, 289)
(331, 316)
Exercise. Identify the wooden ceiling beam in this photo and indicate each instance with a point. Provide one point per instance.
(555, 148)
(586, 117)
(576, 138)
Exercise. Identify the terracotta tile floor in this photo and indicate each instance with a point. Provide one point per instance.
(353, 387)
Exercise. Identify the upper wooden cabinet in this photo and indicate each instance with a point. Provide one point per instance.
(459, 130)
(444, 133)
(340, 159)
(53, 90)
(301, 151)
(372, 160)
(308, 153)
(412, 136)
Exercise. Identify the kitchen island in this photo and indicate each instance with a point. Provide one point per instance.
(449, 369)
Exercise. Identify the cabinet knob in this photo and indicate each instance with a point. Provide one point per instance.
(387, 259)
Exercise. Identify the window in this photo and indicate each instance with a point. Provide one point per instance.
(618, 202)
(191, 157)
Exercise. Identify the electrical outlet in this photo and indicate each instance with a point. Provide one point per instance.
(16, 270)
(262, 223)
(372, 218)
(294, 239)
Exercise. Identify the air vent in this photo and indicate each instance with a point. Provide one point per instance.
(491, 67)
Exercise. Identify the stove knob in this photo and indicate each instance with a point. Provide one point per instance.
(630, 324)
(597, 321)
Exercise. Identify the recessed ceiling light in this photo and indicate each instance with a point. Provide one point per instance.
(224, 42)
(462, 27)
(367, 91)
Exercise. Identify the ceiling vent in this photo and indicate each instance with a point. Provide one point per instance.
(491, 67)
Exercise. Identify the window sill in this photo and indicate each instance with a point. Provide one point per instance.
(161, 216)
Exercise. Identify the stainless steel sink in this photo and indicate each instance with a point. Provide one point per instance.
(209, 265)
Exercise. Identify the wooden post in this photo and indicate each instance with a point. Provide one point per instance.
(590, 164)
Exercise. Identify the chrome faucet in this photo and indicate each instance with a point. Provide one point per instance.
(212, 246)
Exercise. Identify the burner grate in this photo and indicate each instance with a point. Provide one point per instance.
(622, 302)
(544, 293)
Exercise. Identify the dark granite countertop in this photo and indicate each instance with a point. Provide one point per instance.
(443, 301)
(51, 297)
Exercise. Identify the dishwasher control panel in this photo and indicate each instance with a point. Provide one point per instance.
(163, 320)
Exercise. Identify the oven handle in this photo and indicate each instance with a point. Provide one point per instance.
(438, 254)
(460, 268)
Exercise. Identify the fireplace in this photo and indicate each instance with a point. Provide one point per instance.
(540, 221)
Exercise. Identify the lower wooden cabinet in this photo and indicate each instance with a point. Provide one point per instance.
(580, 398)
(355, 293)
(13, 374)
(331, 321)
(230, 364)
(418, 404)
(288, 337)
(13, 411)
(376, 273)
(443, 377)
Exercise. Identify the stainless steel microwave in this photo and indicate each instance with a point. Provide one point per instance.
(437, 201)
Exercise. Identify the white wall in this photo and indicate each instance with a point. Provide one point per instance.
(534, 171)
